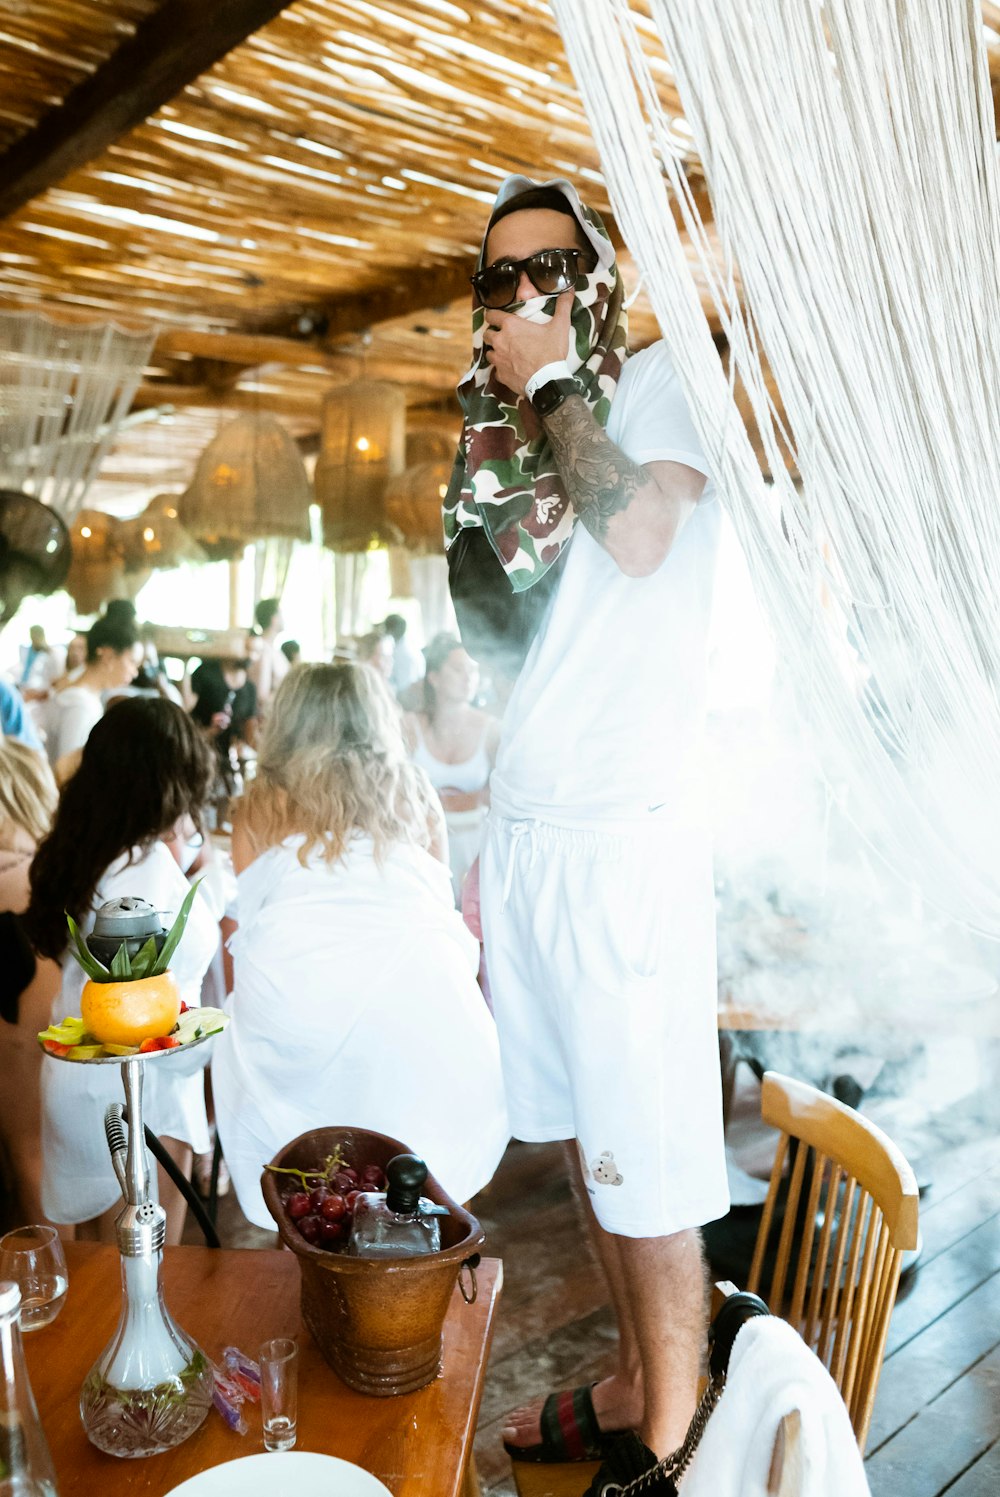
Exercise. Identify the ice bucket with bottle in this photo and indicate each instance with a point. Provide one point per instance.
(378, 1322)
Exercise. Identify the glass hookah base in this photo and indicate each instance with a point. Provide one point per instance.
(144, 1421)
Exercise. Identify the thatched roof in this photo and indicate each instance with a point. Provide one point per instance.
(290, 204)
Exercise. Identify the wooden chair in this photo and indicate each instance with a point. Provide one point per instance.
(847, 1230)
(855, 1218)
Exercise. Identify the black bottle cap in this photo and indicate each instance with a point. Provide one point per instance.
(406, 1175)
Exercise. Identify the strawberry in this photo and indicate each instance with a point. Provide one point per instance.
(166, 1042)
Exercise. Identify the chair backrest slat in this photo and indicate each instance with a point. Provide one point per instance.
(818, 1164)
(776, 1298)
(835, 1280)
(866, 1291)
(810, 1331)
(767, 1215)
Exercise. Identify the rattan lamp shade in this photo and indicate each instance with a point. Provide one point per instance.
(363, 447)
(157, 539)
(413, 505)
(97, 570)
(250, 483)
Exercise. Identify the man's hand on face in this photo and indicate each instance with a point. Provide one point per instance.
(518, 349)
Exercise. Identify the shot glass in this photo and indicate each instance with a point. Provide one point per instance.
(33, 1257)
(279, 1378)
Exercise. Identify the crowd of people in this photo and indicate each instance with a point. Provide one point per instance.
(352, 814)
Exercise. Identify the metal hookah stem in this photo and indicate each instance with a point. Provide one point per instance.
(141, 1227)
(135, 1167)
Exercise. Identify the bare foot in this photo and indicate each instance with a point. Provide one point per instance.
(617, 1405)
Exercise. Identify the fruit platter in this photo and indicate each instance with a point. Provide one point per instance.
(70, 1039)
(320, 1203)
(130, 1004)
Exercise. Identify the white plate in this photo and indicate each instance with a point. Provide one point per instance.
(282, 1474)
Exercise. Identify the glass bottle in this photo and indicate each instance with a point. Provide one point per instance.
(26, 1468)
(398, 1222)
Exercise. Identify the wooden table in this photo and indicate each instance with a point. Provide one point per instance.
(418, 1444)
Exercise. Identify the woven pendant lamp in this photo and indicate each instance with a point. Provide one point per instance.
(97, 569)
(156, 538)
(250, 483)
(413, 505)
(363, 447)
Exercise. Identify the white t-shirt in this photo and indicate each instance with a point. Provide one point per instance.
(605, 720)
(71, 714)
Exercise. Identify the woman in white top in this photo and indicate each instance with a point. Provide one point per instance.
(355, 998)
(456, 745)
(144, 769)
(113, 656)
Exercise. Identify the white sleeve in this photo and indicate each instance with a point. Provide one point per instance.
(72, 720)
(650, 420)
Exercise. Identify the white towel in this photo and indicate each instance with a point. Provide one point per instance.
(773, 1373)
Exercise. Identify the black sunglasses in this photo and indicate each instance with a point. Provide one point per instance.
(549, 271)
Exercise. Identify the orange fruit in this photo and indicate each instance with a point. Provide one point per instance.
(126, 1013)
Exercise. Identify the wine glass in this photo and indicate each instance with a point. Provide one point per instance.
(33, 1258)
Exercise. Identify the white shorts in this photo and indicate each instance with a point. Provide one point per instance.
(600, 949)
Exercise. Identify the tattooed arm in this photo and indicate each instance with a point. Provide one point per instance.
(635, 512)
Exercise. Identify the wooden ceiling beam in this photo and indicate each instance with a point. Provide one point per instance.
(176, 44)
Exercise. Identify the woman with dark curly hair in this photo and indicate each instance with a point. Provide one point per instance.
(142, 782)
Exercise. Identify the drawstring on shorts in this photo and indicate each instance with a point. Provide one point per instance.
(518, 830)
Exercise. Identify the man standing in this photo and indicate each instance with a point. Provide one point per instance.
(580, 480)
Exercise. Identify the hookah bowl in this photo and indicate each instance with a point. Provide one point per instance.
(151, 1387)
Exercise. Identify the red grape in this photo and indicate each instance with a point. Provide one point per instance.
(334, 1208)
(373, 1179)
(330, 1232)
(309, 1226)
(317, 1197)
(351, 1200)
(297, 1205)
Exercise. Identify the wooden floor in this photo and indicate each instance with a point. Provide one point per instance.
(936, 1427)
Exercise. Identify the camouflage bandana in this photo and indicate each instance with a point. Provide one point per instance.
(505, 477)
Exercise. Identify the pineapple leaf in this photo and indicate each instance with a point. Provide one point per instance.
(121, 967)
(95, 970)
(176, 931)
(144, 960)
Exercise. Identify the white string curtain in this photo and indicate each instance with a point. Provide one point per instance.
(64, 390)
(272, 558)
(849, 151)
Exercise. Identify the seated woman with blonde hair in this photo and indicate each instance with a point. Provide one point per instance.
(27, 804)
(355, 998)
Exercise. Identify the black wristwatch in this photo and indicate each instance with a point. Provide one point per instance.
(550, 396)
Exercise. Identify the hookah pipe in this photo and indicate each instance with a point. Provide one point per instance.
(118, 1144)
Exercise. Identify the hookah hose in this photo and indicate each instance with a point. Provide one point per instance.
(182, 1183)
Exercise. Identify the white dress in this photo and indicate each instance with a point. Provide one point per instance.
(78, 1182)
(355, 1003)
